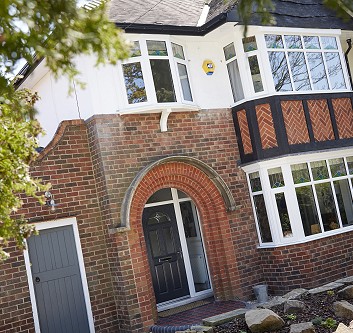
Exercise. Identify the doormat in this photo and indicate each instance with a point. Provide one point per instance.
(183, 308)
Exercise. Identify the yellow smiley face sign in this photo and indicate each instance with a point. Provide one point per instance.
(208, 66)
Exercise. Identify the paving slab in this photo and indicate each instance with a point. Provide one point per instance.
(295, 293)
(224, 317)
(277, 300)
(325, 287)
(348, 280)
(199, 328)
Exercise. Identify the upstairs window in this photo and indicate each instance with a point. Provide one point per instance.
(302, 63)
(250, 49)
(233, 72)
(149, 77)
(162, 76)
(179, 57)
(133, 77)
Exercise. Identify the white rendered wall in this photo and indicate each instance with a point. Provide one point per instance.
(105, 90)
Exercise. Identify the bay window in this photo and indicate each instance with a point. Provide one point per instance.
(300, 63)
(298, 202)
(250, 49)
(233, 72)
(156, 72)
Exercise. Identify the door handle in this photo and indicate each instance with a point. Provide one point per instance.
(164, 259)
(37, 279)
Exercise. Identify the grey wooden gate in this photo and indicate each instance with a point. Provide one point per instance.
(57, 281)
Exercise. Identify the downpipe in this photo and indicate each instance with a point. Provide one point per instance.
(349, 42)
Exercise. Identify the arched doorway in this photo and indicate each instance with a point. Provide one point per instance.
(175, 248)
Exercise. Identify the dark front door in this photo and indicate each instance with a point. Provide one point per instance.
(164, 253)
(57, 281)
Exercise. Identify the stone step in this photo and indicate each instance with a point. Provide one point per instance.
(224, 317)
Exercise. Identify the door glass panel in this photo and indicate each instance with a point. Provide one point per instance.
(308, 212)
(163, 82)
(157, 218)
(154, 241)
(195, 246)
(162, 195)
(169, 240)
(344, 199)
(327, 206)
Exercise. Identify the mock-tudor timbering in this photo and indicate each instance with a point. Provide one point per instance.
(202, 165)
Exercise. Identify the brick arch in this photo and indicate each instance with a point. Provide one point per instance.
(214, 223)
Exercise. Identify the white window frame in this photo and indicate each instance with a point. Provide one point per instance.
(291, 198)
(144, 60)
(303, 32)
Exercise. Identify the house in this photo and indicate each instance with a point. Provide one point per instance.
(204, 164)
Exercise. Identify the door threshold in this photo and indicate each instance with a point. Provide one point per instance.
(182, 301)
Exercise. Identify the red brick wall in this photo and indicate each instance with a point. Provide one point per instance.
(320, 120)
(294, 121)
(344, 117)
(266, 127)
(122, 147)
(308, 265)
(66, 164)
(244, 132)
(91, 166)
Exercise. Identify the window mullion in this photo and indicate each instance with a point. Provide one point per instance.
(326, 69)
(271, 207)
(293, 210)
(289, 69)
(312, 184)
(308, 69)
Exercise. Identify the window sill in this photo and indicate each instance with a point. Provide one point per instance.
(165, 109)
(308, 238)
(156, 108)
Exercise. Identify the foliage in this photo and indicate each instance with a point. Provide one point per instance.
(18, 132)
(331, 292)
(57, 30)
(329, 323)
(291, 316)
(317, 321)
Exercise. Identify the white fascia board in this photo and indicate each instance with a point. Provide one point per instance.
(38, 73)
(280, 30)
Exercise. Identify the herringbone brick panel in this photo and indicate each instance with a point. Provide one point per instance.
(344, 117)
(244, 132)
(320, 120)
(294, 120)
(266, 128)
